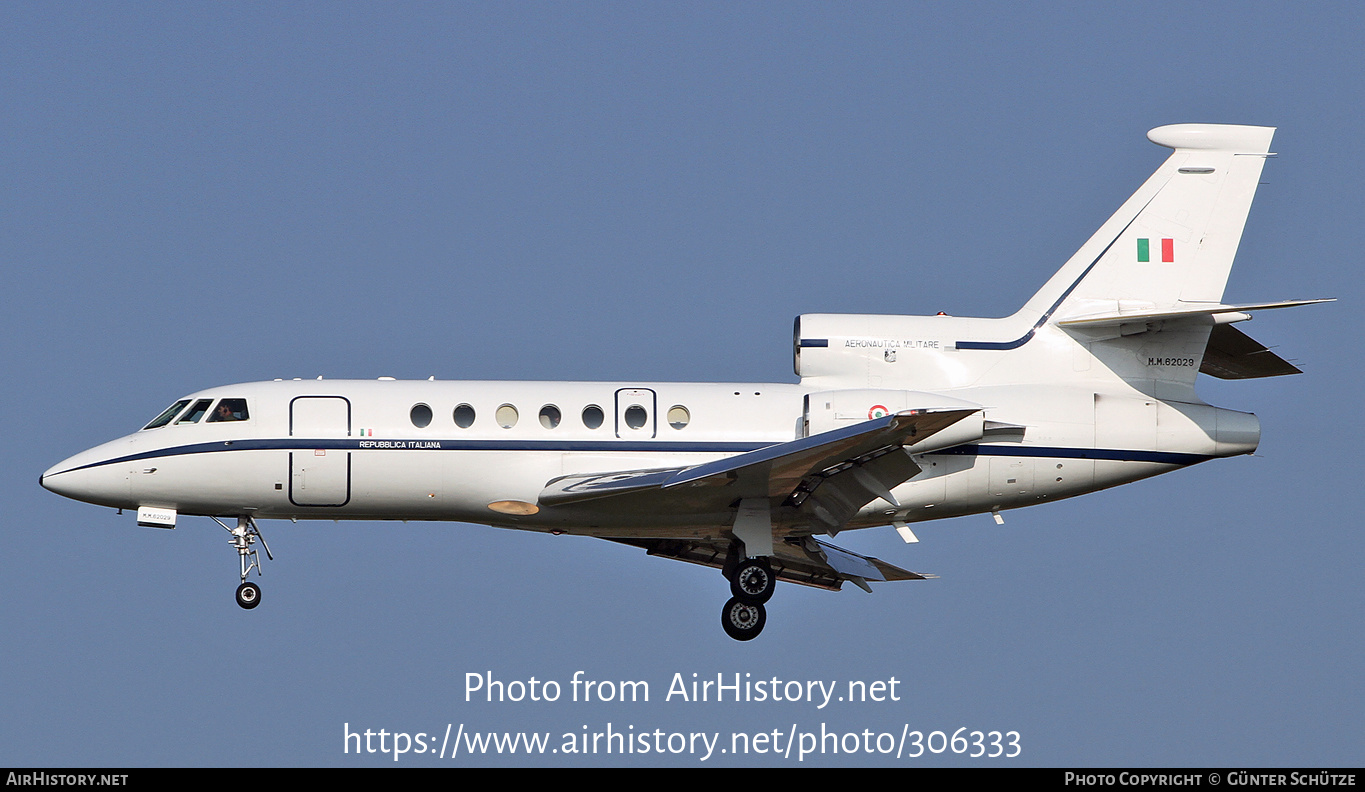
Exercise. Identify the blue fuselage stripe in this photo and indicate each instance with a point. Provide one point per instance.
(1109, 454)
(369, 444)
(621, 446)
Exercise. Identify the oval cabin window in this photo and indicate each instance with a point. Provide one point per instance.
(678, 416)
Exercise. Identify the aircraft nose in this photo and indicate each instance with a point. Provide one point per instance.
(63, 480)
(83, 478)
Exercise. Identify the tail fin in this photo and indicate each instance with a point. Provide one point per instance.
(1143, 294)
(1171, 243)
(1136, 303)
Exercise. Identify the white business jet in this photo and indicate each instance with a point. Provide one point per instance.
(896, 419)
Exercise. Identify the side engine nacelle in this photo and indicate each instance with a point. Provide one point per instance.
(864, 350)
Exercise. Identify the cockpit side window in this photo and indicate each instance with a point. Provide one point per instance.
(196, 412)
(165, 417)
(229, 410)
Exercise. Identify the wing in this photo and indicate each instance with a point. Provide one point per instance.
(804, 560)
(822, 479)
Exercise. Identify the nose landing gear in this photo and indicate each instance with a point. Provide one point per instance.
(243, 537)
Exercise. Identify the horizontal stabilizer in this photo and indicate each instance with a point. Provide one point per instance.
(1207, 313)
(1232, 354)
(807, 561)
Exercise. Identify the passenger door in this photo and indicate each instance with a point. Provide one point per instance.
(320, 476)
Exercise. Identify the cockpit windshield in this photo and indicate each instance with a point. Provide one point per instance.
(165, 417)
(225, 410)
(193, 414)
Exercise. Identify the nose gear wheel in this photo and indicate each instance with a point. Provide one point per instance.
(248, 595)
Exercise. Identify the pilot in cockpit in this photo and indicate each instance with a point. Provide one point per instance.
(230, 410)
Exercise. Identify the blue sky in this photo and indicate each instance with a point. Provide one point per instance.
(201, 194)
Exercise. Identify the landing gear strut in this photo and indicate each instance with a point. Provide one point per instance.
(243, 537)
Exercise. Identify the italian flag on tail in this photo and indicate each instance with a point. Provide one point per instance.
(1145, 250)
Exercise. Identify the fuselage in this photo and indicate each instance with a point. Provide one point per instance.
(895, 420)
(460, 451)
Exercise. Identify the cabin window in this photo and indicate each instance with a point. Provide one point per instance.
(549, 416)
(196, 412)
(593, 416)
(165, 417)
(464, 416)
(229, 410)
(678, 416)
(507, 416)
(420, 415)
(636, 416)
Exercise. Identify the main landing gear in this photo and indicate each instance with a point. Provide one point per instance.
(243, 537)
(752, 583)
(742, 621)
